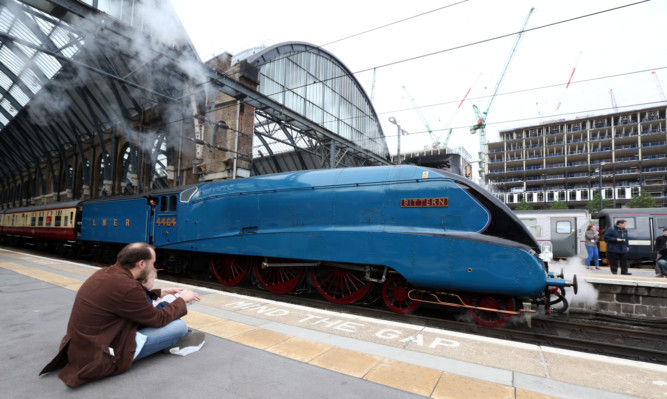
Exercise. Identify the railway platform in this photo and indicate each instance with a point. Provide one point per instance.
(261, 348)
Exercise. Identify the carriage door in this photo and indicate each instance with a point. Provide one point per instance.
(564, 237)
(165, 220)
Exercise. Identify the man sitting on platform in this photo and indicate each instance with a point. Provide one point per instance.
(102, 337)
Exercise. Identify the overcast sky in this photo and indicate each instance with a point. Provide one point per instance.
(619, 42)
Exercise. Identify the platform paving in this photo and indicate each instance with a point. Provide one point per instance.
(258, 348)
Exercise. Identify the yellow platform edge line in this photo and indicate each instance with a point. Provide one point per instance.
(396, 374)
(41, 275)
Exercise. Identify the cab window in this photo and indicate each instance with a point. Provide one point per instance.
(164, 204)
(172, 203)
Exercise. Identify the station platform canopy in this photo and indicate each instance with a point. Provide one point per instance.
(75, 73)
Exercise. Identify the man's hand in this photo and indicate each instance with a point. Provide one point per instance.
(619, 239)
(189, 296)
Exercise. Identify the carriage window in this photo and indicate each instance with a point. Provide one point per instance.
(57, 224)
(172, 203)
(163, 204)
(563, 227)
(662, 223)
(533, 227)
(630, 222)
(41, 221)
(48, 220)
(32, 221)
(65, 224)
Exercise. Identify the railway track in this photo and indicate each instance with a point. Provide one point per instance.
(582, 332)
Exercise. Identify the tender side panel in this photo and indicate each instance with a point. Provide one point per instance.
(120, 221)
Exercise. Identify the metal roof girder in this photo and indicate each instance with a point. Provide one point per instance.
(46, 137)
(57, 146)
(6, 114)
(28, 136)
(291, 139)
(34, 28)
(11, 136)
(19, 163)
(268, 149)
(96, 55)
(12, 100)
(10, 41)
(231, 87)
(35, 158)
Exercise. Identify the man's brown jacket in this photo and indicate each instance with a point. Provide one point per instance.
(100, 339)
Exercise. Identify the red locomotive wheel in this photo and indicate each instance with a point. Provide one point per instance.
(279, 280)
(395, 295)
(230, 270)
(490, 318)
(339, 285)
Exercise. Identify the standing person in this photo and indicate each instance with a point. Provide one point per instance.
(661, 248)
(102, 338)
(617, 247)
(592, 238)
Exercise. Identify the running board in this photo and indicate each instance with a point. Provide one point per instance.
(462, 304)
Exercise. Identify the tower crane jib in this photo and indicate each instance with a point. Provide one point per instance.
(436, 142)
(482, 116)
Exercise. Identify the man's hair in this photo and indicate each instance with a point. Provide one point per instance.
(133, 253)
(619, 221)
(665, 229)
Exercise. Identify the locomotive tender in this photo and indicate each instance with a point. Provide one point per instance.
(407, 233)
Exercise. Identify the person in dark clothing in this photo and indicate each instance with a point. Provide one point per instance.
(661, 248)
(617, 247)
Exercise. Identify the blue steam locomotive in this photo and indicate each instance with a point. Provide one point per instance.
(409, 234)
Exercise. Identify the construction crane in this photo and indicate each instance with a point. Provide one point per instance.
(562, 94)
(451, 119)
(481, 116)
(449, 134)
(436, 142)
(613, 100)
(659, 86)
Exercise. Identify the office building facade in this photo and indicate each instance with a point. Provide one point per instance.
(620, 154)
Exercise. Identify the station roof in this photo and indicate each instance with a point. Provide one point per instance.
(69, 73)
